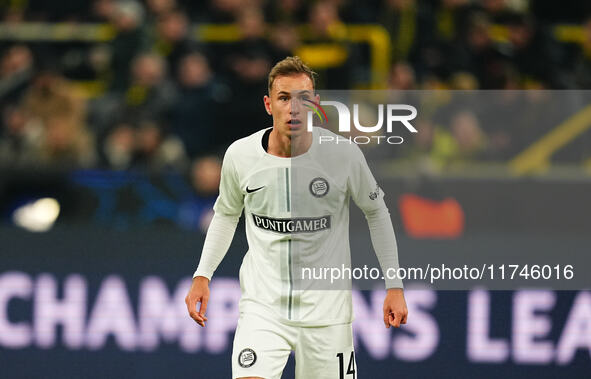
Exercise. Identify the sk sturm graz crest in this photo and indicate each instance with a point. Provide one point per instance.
(319, 187)
(247, 358)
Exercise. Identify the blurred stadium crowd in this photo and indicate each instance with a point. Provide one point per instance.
(155, 97)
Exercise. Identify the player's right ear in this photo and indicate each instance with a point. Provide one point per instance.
(267, 101)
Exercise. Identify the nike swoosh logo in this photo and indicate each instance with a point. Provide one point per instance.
(248, 190)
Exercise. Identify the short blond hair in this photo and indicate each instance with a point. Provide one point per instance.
(291, 66)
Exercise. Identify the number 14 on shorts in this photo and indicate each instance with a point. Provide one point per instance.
(350, 366)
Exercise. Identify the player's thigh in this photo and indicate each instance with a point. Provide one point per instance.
(326, 353)
(261, 347)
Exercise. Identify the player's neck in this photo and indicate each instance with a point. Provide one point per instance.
(284, 146)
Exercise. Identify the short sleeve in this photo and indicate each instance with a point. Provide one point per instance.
(363, 187)
(230, 201)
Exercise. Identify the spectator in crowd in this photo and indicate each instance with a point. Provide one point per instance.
(195, 212)
(159, 8)
(150, 95)
(102, 10)
(326, 50)
(478, 54)
(127, 18)
(59, 115)
(247, 63)
(119, 147)
(402, 77)
(144, 146)
(13, 14)
(253, 54)
(16, 72)
(285, 39)
(534, 53)
(438, 146)
(409, 24)
(469, 140)
(199, 107)
(287, 11)
(225, 11)
(205, 175)
(157, 150)
(450, 19)
(498, 11)
(172, 38)
(463, 81)
(423, 151)
(19, 140)
(325, 22)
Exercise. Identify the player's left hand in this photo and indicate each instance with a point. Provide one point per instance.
(395, 311)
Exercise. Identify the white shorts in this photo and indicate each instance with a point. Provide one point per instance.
(263, 344)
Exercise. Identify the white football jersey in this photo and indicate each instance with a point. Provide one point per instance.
(297, 216)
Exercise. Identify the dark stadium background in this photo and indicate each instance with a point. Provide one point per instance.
(115, 115)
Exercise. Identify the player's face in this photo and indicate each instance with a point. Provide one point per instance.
(285, 103)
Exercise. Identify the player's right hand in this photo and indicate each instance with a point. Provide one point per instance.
(199, 293)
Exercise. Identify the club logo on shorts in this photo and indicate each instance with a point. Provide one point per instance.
(319, 187)
(247, 358)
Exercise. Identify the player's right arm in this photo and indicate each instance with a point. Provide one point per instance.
(199, 293)
(227, 208)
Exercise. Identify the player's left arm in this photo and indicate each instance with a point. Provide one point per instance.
(395, 311)
(370, 198)
(384, 244)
